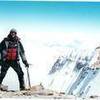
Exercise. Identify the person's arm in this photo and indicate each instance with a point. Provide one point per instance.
(22, 54)
(2, 46)
(0, 50)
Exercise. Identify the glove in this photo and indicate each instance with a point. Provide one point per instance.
(26, 63)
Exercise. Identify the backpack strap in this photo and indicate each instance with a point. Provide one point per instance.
(0, 56)
(6, 43)
(18, 48)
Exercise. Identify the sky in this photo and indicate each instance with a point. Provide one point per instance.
(58, 21)
(47, 28)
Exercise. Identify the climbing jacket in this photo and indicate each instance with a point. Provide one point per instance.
(10, 51)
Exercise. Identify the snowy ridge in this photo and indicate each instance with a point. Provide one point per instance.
(66, 75)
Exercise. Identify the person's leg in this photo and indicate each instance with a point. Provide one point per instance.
(4, 69)
(18, 70)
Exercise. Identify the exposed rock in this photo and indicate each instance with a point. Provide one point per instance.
(39, 91)
(3, 87)
(94, 96)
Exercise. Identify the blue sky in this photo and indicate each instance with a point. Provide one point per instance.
(51, 17)
(67, 12)
(53, 23)
(52, 9)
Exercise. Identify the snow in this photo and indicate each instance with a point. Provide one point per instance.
(38, 92)
(41, 55)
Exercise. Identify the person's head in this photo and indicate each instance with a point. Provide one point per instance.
(12, 35)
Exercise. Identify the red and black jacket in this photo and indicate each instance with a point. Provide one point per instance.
(11, 50)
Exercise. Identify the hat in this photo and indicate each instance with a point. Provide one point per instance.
(13, 31)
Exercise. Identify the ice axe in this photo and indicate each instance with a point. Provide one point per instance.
(28, 76)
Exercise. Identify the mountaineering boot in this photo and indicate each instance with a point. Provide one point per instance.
(22, 88)
(3, 87)
(22, 85)
(21, 82)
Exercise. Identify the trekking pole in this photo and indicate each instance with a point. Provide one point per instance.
(28, 76)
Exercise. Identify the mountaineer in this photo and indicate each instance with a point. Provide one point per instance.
(11, 49)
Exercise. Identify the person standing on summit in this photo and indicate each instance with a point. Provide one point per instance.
(11, 49)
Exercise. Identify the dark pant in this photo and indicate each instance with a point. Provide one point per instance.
(16, 66)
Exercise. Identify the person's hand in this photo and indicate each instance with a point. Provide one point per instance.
(26, 63)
